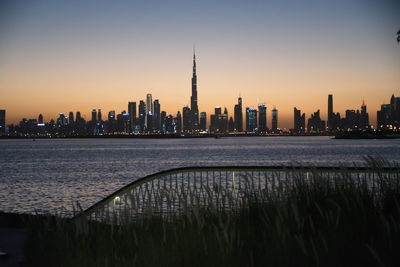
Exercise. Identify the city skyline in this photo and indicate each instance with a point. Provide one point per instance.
(49, 65)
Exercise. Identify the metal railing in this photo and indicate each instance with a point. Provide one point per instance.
(173, 192)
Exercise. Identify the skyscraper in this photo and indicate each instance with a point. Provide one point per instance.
(178, 122)
(299, 121)
(193, 99)
(78, 117)
(315, 124)
(203, 121)
(163, 117)
(149, 107)
(40, 118)
(331, 125)
(156, 115)
(70, 118)
(251, 119)
(2, 121)
(274, 124)
(238, 116)
(187, 122)
(364, 118)
(94, 115)
(142, 116)
(132, 115)
(262, 118)
(99, 118)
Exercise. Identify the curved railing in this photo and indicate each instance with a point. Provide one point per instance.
(174, 192)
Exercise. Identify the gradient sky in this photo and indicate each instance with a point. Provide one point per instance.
(60, 56)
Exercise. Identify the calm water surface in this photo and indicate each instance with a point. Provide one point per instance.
(46, 176)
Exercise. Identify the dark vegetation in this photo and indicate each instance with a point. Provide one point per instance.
(315, 224)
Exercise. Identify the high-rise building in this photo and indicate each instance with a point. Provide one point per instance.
(132, 115)
(99, 118)
(299, 121)
(40, 118)
(384, 117)
(94, 115)
(231, 125)
(142, 116)
(111, 115)
(262, 118)
(222, 119)
(187, 119)
(238, 114)
(203, 121)
(331, 125)
(62, 120)
(315, 124)
(193, 99)
(70, 118)
(389, 115)
(78, 117)
(149, 107)
(274, 121)
(364, 117)
(163, 118)
(213, 123)
(251, 119)
(156, 115)
(2, 121)
(178, 123)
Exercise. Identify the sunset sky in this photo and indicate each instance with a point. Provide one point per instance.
(60, 56)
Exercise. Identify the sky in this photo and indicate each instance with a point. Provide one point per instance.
(67, 55)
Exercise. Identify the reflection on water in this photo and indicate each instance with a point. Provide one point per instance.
(49, 174)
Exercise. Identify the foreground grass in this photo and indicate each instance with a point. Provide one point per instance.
(314, 225)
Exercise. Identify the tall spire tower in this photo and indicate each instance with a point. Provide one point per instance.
(193, 99)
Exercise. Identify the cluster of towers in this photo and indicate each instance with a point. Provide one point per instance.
(354, 119)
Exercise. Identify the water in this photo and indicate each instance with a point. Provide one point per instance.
(49, 175)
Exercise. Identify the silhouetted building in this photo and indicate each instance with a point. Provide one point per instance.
(149, 109)
(94, 115)
(163, 117)
(132, 115)
(178, 123)
(238, 114)
(111, 124)
(231, 125)
(222, 122)
(212, 123)
(203, 121)
(99, 118)
(40, 118)
(251, 119)
(299, 121)
(149, 120)
(352, 119)
(262, 118)
(364, 117)
(142, 116)
(187, 116)
(315, 124)
(274, 120)
(2, 121)
(156, 115)
(70, 118)
(123, 122)
(389, 115)
(78, 116)
(194, 121)
(330, 113)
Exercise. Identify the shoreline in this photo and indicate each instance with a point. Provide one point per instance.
(155, 136)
